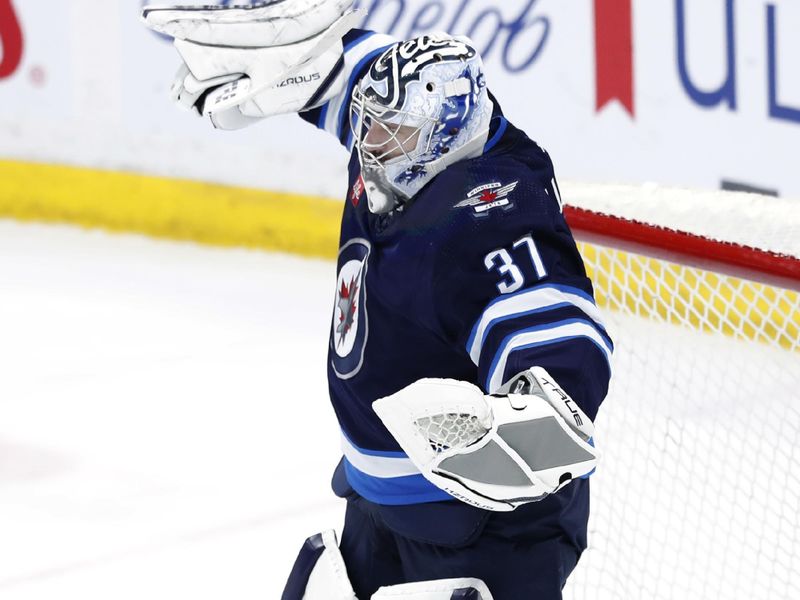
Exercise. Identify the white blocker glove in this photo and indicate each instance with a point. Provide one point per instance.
(498, 451)
(244, 63)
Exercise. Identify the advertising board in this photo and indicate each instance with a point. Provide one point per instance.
(695, 94)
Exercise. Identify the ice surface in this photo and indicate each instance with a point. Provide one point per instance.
(165, 430)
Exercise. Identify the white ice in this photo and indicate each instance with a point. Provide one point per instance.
(165, 430)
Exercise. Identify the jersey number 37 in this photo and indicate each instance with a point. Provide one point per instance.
(512, 277)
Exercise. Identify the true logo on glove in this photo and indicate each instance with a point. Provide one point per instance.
(568, 402)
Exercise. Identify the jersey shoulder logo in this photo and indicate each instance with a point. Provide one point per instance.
(350, 324)
(488, 196)
(357, 191)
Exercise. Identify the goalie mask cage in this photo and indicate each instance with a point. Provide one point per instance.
(697, 494)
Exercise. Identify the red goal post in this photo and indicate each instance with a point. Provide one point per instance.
(685, 248)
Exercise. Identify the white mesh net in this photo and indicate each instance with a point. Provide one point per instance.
(451, 430)
(698, 492)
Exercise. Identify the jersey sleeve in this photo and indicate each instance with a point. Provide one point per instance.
(511, 292)
(361, 48)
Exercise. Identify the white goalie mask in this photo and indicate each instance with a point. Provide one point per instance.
(422, 106)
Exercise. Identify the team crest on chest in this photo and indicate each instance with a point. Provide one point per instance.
(488, 196)
(347, 305)
(349, 328)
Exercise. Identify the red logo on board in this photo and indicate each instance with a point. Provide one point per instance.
(10, 39)
(613, 44)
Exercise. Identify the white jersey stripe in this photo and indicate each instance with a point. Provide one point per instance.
(537, 299)
(540, 336)
(377, 466)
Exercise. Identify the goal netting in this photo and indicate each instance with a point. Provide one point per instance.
(698, 491)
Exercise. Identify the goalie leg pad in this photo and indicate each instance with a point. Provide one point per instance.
(466, 588)
(319, 572)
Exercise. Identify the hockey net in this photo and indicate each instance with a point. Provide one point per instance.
(698, 491)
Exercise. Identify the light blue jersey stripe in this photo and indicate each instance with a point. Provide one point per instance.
(501, 129)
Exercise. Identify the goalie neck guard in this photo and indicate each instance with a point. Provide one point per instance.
(422, 106)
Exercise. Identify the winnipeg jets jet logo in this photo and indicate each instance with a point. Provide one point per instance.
(488, 196)
(350, 325)
(347, 307)
(402, 63)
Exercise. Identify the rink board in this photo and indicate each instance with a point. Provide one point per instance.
(308, 226)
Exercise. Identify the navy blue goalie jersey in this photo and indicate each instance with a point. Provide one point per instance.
(476, 278)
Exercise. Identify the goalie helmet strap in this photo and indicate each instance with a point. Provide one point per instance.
(459, 87)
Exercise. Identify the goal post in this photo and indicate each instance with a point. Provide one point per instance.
(698, 491)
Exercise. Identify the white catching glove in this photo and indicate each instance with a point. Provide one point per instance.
(244, 63)
(495, 452)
